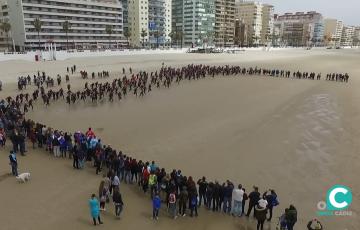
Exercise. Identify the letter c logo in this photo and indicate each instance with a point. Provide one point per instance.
(339, 197)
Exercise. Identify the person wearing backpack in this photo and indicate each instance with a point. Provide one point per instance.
(172, 204)
(271, 197)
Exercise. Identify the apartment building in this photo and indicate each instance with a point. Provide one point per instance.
(356, 38)
(149, 22)
(5, 37)
(224, 22)
(347, 36)
(267, 23)
(88, 20)
(333, 30)
(300, 29)
(258, 19)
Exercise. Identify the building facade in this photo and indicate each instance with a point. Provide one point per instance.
(356, 39)
(5, 36)
(150, 22)
(88, 20)
(198, 22)
(267, 23)
(347, 36)
(224, 22)
(333, 30)
(258, 19)
(240, 33)
(300, 29)
(177, 15)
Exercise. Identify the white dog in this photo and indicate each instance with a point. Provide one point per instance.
(23, 177)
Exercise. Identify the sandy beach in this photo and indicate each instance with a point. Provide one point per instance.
(299, 137)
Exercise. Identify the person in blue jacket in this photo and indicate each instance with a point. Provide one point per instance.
(13, 163)
(156, 206)
(94, 209)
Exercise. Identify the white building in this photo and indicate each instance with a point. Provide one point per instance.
(258, 19)
(356, 39)
(333, 30)
(88, 20)
(347, 36)
(149, 22)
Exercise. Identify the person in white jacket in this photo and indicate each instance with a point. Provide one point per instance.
(237, 198)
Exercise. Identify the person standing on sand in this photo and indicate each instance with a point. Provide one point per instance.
(13, 163)
(156, 201)
(94, 209)
(183, 198)
(193, 204)
(202, 191)
(118, 202)
(260, 214)
(254, 197)
(75, 157)
(271, 197)
(237, 198)
(227, 197)
(291, 217)
(172, 204)
(245, 197)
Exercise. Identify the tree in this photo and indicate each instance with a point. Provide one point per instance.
(143, 35)
(127, 34)
(5, 26)
(109, 31)
(66, 28)
(37, 23)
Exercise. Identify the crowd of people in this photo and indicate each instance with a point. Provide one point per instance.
(181, 194)
(141, 83)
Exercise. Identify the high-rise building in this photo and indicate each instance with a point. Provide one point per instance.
(224, 22)
(88, 20)
(149, 22)
(5, 37)
(333, 30)
(347, 36)
(240, 33)
(356, 38)
(300, 29)
(258, 19)
(198, 22)
(267, 23)
(125, 9)
(177, 15)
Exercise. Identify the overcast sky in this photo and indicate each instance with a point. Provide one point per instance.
(346, 10)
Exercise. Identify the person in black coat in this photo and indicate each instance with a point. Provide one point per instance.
(118, 202)
(254, 197)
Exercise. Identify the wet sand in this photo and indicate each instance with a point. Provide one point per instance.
(299, 137)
